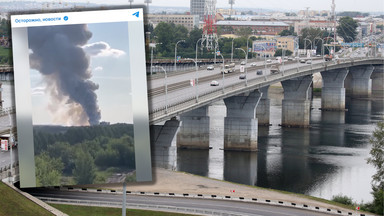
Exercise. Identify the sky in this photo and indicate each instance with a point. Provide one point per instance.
(290, 5)
(107, 50)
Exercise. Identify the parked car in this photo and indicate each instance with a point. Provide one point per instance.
(253, 64)
(242, 76)
(214, 83)
(259, 72)
(210, 67)
(242, 63)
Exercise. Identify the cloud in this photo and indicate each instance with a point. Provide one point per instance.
(98, 68)
(38, 91)
(102, 49)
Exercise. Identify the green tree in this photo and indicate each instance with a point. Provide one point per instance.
(377, 160)
(288, 32)
(244, 32)
(85, 171)
(279, 52)
(48, 170)
(347, 28)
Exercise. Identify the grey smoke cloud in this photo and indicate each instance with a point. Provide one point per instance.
(102, 48)
(57, 53)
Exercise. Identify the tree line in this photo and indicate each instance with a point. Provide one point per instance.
(82, 155)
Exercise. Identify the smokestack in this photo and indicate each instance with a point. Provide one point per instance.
(58, 56)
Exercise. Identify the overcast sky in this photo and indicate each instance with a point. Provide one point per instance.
(341, 5)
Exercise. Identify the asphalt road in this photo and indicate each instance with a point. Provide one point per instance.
(239, 208)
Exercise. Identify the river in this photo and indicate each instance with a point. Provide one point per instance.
(325, 160)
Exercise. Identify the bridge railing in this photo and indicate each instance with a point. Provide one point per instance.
(204, 97)
(6, 111)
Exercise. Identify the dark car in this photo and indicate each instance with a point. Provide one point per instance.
(259, 72)
(242, 76)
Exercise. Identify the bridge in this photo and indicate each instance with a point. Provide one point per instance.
(247, 99)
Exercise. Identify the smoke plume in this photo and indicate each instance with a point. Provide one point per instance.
(57, 53)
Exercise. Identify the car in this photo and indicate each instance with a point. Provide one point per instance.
(242, 76)
(290, 59)
(285, 57)
(269, 61)
(259, 72)
(224, 71)
(309, 62)
(274, 69)
(210, 67)
(302, 61)
(253, 64)
(243, 63)
(214, 83)
(318, 55)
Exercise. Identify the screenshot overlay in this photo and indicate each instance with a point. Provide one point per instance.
(81, 97)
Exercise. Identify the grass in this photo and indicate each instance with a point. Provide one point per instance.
(101, 211)
(15, 204)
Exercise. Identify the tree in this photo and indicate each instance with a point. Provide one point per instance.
(244, 32)
(288, 32)
(347, 28)
(48, 170)
(84, 172)
(377, 160)
(279, 52)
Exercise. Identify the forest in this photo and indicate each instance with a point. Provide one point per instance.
(83, 155)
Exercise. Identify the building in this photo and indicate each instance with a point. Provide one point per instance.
(188, 21)
(258, 28)
(287, 43)
(198, 8)
(321, 24)
(264, 47)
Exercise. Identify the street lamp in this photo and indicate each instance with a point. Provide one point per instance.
(176, 51)
(245, 65)
(247, 45)
(196, 48)
(232, 50)
(223, 71)
(197, 80)
(265, 62)
(322, 45)
(310, 54)
(152, 46)
(298, 56)
(166, 87)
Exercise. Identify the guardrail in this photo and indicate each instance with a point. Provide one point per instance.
(161, 113)
(140, 206)
(5, 171)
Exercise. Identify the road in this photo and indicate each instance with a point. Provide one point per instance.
(235, 207)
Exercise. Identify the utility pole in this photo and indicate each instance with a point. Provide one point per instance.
(333, 7)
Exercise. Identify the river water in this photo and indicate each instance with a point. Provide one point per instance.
(325, 160)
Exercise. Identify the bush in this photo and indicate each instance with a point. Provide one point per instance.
(342, 199)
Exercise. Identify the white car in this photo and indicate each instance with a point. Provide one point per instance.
(214, 83)
(210, 67)
(269, 61)
(253, 64)
(242, 63)
(309, 62)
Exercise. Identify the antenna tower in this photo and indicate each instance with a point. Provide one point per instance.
(209, 30)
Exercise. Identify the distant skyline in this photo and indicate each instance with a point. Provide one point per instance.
(289, 5)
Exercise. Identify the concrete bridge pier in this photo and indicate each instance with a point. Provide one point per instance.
(360, 83)
(194, 130)
(378, 81)
(333, 91)
(240, 125)
(263, 109)
(296, 103)
(163, 144)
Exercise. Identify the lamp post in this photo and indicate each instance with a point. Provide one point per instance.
(246, 83)
(232, 50)
(247, 46)
(196, 78)
(223, 72)
(265, 61)
(322, 45)
(196, 48)
(166, 87)
(176, 51)
(152, 46)
(310, 55)
(297, 54)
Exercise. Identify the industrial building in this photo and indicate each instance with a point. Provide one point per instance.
(258, 28)
(188, 21)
